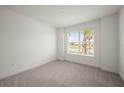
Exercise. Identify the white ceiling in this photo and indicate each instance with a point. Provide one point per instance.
(62, 16)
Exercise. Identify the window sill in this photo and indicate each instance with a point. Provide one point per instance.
(81, 54)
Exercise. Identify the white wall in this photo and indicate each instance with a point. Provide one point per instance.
(121, 42)
(109, 43)
(24, 43)
(60, 43)
(106, 50)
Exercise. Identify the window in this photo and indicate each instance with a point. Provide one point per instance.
(81, 42)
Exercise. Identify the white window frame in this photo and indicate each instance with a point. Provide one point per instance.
(79, 46)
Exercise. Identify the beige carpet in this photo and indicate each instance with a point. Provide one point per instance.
(63, 74)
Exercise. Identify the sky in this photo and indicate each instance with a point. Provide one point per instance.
(74, 36)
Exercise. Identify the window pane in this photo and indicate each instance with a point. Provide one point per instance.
(73, 36)
(73, 47)
(73, 42)
(87, 42)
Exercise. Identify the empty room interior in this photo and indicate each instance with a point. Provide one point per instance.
(62, 46)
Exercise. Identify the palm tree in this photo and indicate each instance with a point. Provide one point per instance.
(88, 35)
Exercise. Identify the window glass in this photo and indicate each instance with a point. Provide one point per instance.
(73, 42)
(81, 42)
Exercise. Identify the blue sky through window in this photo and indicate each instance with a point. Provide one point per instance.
(74, 36)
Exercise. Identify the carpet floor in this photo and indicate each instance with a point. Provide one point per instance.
(63, 74)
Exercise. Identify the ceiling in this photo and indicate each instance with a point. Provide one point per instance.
(63, 16)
